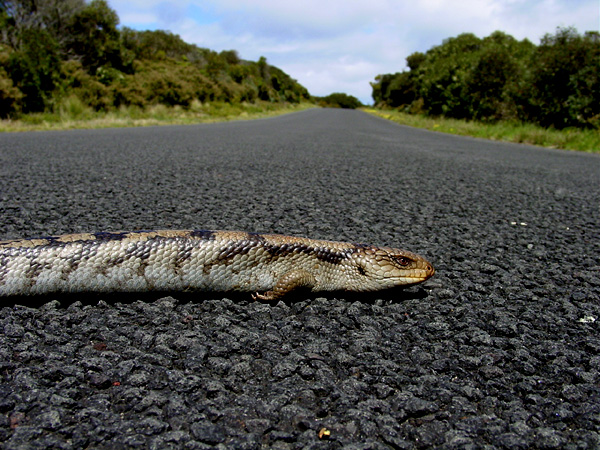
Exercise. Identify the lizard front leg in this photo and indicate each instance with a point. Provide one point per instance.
(287, 283)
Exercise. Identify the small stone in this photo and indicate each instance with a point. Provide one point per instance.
(49, 420)
(208, 432)
(99, 380)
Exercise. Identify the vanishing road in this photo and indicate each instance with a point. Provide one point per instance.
(501, 349)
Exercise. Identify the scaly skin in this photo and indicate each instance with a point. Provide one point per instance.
(267, 265)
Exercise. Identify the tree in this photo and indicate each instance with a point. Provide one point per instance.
(157, 44)
(53, 49)
(443, 73)
(50, 15)
(34, 68)
(340, 100)
(464, 77)
(414, 60)
(93, 36)
(495, 79)
(263, 68)
(565, 83)
(230, 57)
(10, 96)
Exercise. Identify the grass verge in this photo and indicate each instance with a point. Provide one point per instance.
(72, 113)
(569, 139)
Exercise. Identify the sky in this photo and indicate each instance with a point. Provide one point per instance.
(342, 45)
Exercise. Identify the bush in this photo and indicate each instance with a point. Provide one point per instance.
(159, 45)
(61, 52)
(165, 82)
(93, 36)
(565, 80)
(73, 108)
(340, 100)
(76, 81)
(494, 78)
(556, 84)
(34, 69)
(10, 96)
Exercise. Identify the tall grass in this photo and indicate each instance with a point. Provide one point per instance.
(72, 113)
(72, 108)
(569, 139)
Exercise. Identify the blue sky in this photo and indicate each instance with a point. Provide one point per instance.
(341, 45)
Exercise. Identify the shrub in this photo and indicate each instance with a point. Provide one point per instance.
(73, 108)
(93, 36)
(61, 52)
(34, 69)
(76, 81)
(10, 96)
(340, 100)
(565, 80)
(556, 84)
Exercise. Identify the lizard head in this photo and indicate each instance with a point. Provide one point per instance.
(388, 267)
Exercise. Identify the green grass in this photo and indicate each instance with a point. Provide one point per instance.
(71, 113)
(569, 139)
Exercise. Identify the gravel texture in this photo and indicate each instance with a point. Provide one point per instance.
(501, 349)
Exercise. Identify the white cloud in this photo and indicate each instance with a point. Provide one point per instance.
(340, 46)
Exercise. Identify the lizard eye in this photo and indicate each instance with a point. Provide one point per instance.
(401, 260)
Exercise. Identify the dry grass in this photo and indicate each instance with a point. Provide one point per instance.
(569, 139)
(72, 114)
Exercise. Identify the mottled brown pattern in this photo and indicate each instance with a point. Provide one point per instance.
(144, 260)
(232, 249)
(184, 253)
(35, 269)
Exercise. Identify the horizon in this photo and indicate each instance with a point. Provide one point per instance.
(342, 49)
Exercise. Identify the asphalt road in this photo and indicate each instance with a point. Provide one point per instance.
(501, 349)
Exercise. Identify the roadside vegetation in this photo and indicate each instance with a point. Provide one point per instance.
(67, 64)
(587, 140)
(501, 88)
(66, 61)
(73, 114)
(338, 100)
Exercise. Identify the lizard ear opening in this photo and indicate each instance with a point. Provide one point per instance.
(361, 269)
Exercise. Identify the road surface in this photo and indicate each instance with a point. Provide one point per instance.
(501, 349)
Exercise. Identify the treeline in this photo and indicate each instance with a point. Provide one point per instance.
(51, 50)
(338, 100)
(554, 84)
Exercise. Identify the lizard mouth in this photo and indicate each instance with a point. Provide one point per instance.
(420, 275)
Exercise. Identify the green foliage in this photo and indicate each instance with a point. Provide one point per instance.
(283, 87)
(395, 89)
(73, 108)
(69, 57)
(215, 65)
(496, 77)
(340, 100)
(230, 57)
(499, 78)
(10, 96)
(263, 67)
(76, 81)
(570, 138)
(163, 82)
(565, 87)
(93, 36)
(443, 74)
(158, 45)
(34, 68)
(51, 15)
(240, 72)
